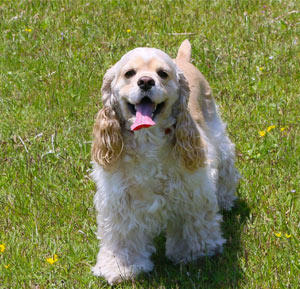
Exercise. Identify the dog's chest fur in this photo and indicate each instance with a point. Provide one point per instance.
(148, 163)
(149, 179)
(154, 176)
(149, 167)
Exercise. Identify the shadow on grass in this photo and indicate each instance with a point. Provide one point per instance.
(221, 271)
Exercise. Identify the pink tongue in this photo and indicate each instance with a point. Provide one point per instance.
(143, 116)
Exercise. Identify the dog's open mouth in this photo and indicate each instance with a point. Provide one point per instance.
(145, 112)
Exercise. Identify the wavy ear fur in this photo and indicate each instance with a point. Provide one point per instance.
(107, 136)
(189, 144)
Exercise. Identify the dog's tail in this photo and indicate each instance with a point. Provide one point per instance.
(184, 51)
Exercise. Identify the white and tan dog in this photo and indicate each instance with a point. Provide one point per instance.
(162, 162)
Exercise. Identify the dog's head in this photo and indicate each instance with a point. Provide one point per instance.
(145, 77)
(143, 89)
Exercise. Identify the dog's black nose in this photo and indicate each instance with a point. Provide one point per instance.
(145, 83)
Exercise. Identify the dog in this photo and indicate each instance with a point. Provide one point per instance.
(162, 162)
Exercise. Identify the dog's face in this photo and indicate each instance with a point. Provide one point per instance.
(145, 88)
(145, 76)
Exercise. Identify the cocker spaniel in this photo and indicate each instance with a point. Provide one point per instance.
(162, 162)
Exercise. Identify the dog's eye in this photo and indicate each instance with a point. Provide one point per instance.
(162, 74)
(130, 73)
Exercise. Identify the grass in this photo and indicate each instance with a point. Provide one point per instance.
(53, 55)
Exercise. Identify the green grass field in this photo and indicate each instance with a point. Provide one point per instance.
(53, 55)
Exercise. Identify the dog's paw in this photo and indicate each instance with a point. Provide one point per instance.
(114, 272)
(96, 270)
(185, 252)
(111, 277)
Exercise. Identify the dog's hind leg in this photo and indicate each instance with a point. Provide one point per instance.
(225, 173)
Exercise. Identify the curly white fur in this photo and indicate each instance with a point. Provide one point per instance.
(149, 189)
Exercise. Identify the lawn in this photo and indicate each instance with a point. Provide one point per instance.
(53, 55)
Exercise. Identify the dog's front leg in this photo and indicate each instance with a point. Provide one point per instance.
(194, 230)
(125, 246)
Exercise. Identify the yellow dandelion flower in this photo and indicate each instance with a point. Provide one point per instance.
(261, 68)
(270, 128)
(52, 260)
(282, 128)
(278, 234)
(128, 30)
(2, 248)
(288, 236)
(7, 266)
(28, 29)
(262, 133)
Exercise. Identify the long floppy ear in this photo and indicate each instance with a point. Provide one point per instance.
(107, 135)
(189, 144)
